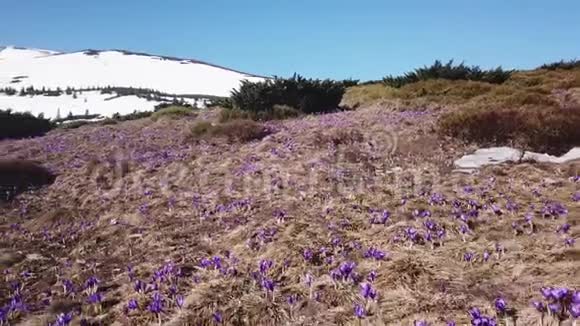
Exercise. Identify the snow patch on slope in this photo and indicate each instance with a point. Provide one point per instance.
(498, 155)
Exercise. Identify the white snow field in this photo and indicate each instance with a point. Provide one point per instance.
(23, 67)
(94, 102)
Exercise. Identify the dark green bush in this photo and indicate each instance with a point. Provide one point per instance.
(306, 95)
(451, 72)
(552, 130)
(21, 125)
(565, 65)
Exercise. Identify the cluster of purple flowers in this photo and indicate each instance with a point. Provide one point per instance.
(344, 272)
(560, 302)
(380, 218)
(478, 319)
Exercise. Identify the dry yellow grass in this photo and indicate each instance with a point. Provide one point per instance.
(326, 173)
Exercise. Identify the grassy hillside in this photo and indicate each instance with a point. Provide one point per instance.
(348, 218)
(538, 109)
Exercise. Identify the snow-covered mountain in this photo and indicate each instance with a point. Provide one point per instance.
(86, 73)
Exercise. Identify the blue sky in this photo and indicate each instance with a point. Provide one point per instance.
(317, 38)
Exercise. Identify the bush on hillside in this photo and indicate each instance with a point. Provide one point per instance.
(451, 72)
(166, 105)
(21, 125)
(75, 124)
(278, 112)
(172, 112)
(132, 116)
(565, 65)
(234, 131)
(306, 95)
(552, 130)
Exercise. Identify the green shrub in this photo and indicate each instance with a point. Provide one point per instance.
(551, 130)
(234, 131)
(22, 125)
(172, 112)
(565, 65)
(451, 72)
(306, 95)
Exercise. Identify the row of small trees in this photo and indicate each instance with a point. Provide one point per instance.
(449, 71)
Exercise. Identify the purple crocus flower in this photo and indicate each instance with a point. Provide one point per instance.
(139, 286)
(156, 304)
(217, 262)
(430, 225)
(464, 229)
(420, 323)
(468, 256)
(564, 228)
(576, 297)
(555, 308)
(217, 317)
(62, 319)
(268, 285)
(437, 199)
(95, 298)
(308, 254)
(179, 301)
(511, 206)
(421, 213)
(347, 268)
(68, 286)
(292, 299)
(132, 305)
(576, 196)
(496, 210)
(554, 209)
(91, 282)
(368, 292)
(486, 256)
(372, 276)
(546, 292)
(569, 242)
(359, 311)
(540, 307)
(500, 305)
(474, 313)
(375, 253)
(308, 279)
(451, 323)
(265, 265)
(575, 310)
(559, 293)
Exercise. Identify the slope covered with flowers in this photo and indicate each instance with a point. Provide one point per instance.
(345, 218)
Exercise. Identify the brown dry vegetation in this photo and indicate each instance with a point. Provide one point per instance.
(537, 109)
(143, 194)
